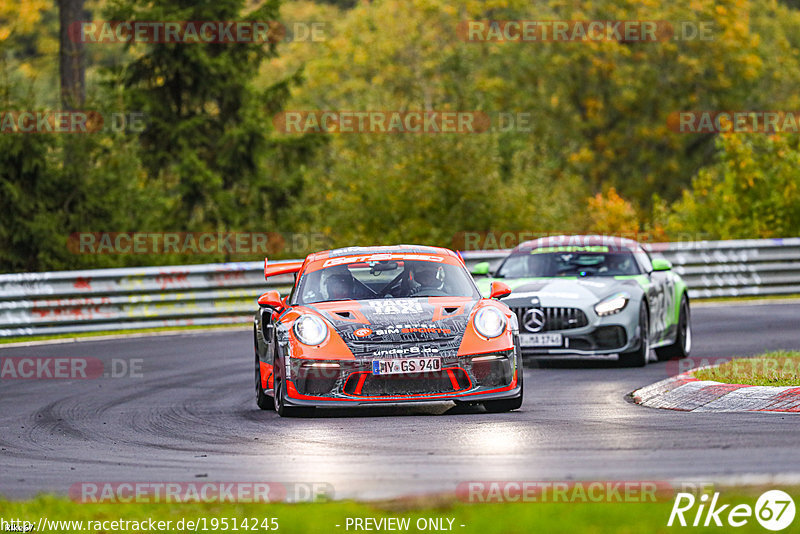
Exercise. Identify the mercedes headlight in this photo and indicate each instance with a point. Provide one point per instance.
(489, 322)
(310, 330)
(611, 305)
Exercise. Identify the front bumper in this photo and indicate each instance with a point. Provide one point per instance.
(600, 337)
(351, 382)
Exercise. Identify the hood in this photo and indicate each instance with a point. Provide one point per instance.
(364, 324)
(572, 292)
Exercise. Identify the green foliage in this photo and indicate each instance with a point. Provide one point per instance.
(210, 159)
(203, 163)
(600, 109)
(390, 189)
(753, 190)
(53, 185)
(206, 123)
(25, 201)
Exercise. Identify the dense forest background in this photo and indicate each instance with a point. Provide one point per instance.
(598, 155)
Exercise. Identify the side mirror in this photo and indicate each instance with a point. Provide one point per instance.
(499, 290)
(660, 264)
(271, 299)
(481, 269)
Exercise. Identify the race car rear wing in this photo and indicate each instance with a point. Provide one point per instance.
(285, 267)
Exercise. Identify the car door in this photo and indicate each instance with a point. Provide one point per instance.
(660, 298)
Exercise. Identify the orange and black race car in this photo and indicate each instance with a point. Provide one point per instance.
(384, 325)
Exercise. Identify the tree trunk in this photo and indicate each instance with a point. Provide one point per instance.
(71, 57)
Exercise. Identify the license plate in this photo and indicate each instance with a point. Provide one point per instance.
(541, 340)
(399, 366)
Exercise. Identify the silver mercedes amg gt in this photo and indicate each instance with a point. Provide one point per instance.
(593, 296)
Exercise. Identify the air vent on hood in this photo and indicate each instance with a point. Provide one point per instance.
(451, 309)
(343, 314)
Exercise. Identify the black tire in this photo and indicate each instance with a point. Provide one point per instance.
(506, 405)
(264, 401)
(279, 400)
(639, 357)
(683, 341)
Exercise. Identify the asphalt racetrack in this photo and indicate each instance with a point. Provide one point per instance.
(188, 414)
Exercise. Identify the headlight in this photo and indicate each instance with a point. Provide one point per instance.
(489, 322)
(310, 329)
(611, 305)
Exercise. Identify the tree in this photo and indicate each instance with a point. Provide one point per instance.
(612, 215)
(72, 67)
(25, 187)
(752, 191)
(207, 122)
(599, 110)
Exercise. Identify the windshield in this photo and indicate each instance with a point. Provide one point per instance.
(385, 279)
(542, 264)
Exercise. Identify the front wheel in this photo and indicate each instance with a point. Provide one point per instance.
(639, 357)
(683, 341)
(506, 405)
(280, 401)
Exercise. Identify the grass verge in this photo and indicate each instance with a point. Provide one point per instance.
(332, 517)
(746, 298)
(779, 368)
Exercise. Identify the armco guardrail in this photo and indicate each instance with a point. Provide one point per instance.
(132, 298)
(736, 268)
(115, 299)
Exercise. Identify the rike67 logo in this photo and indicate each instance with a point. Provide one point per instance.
(774, 510)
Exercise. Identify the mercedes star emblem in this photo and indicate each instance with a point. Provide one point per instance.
(534, 319)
